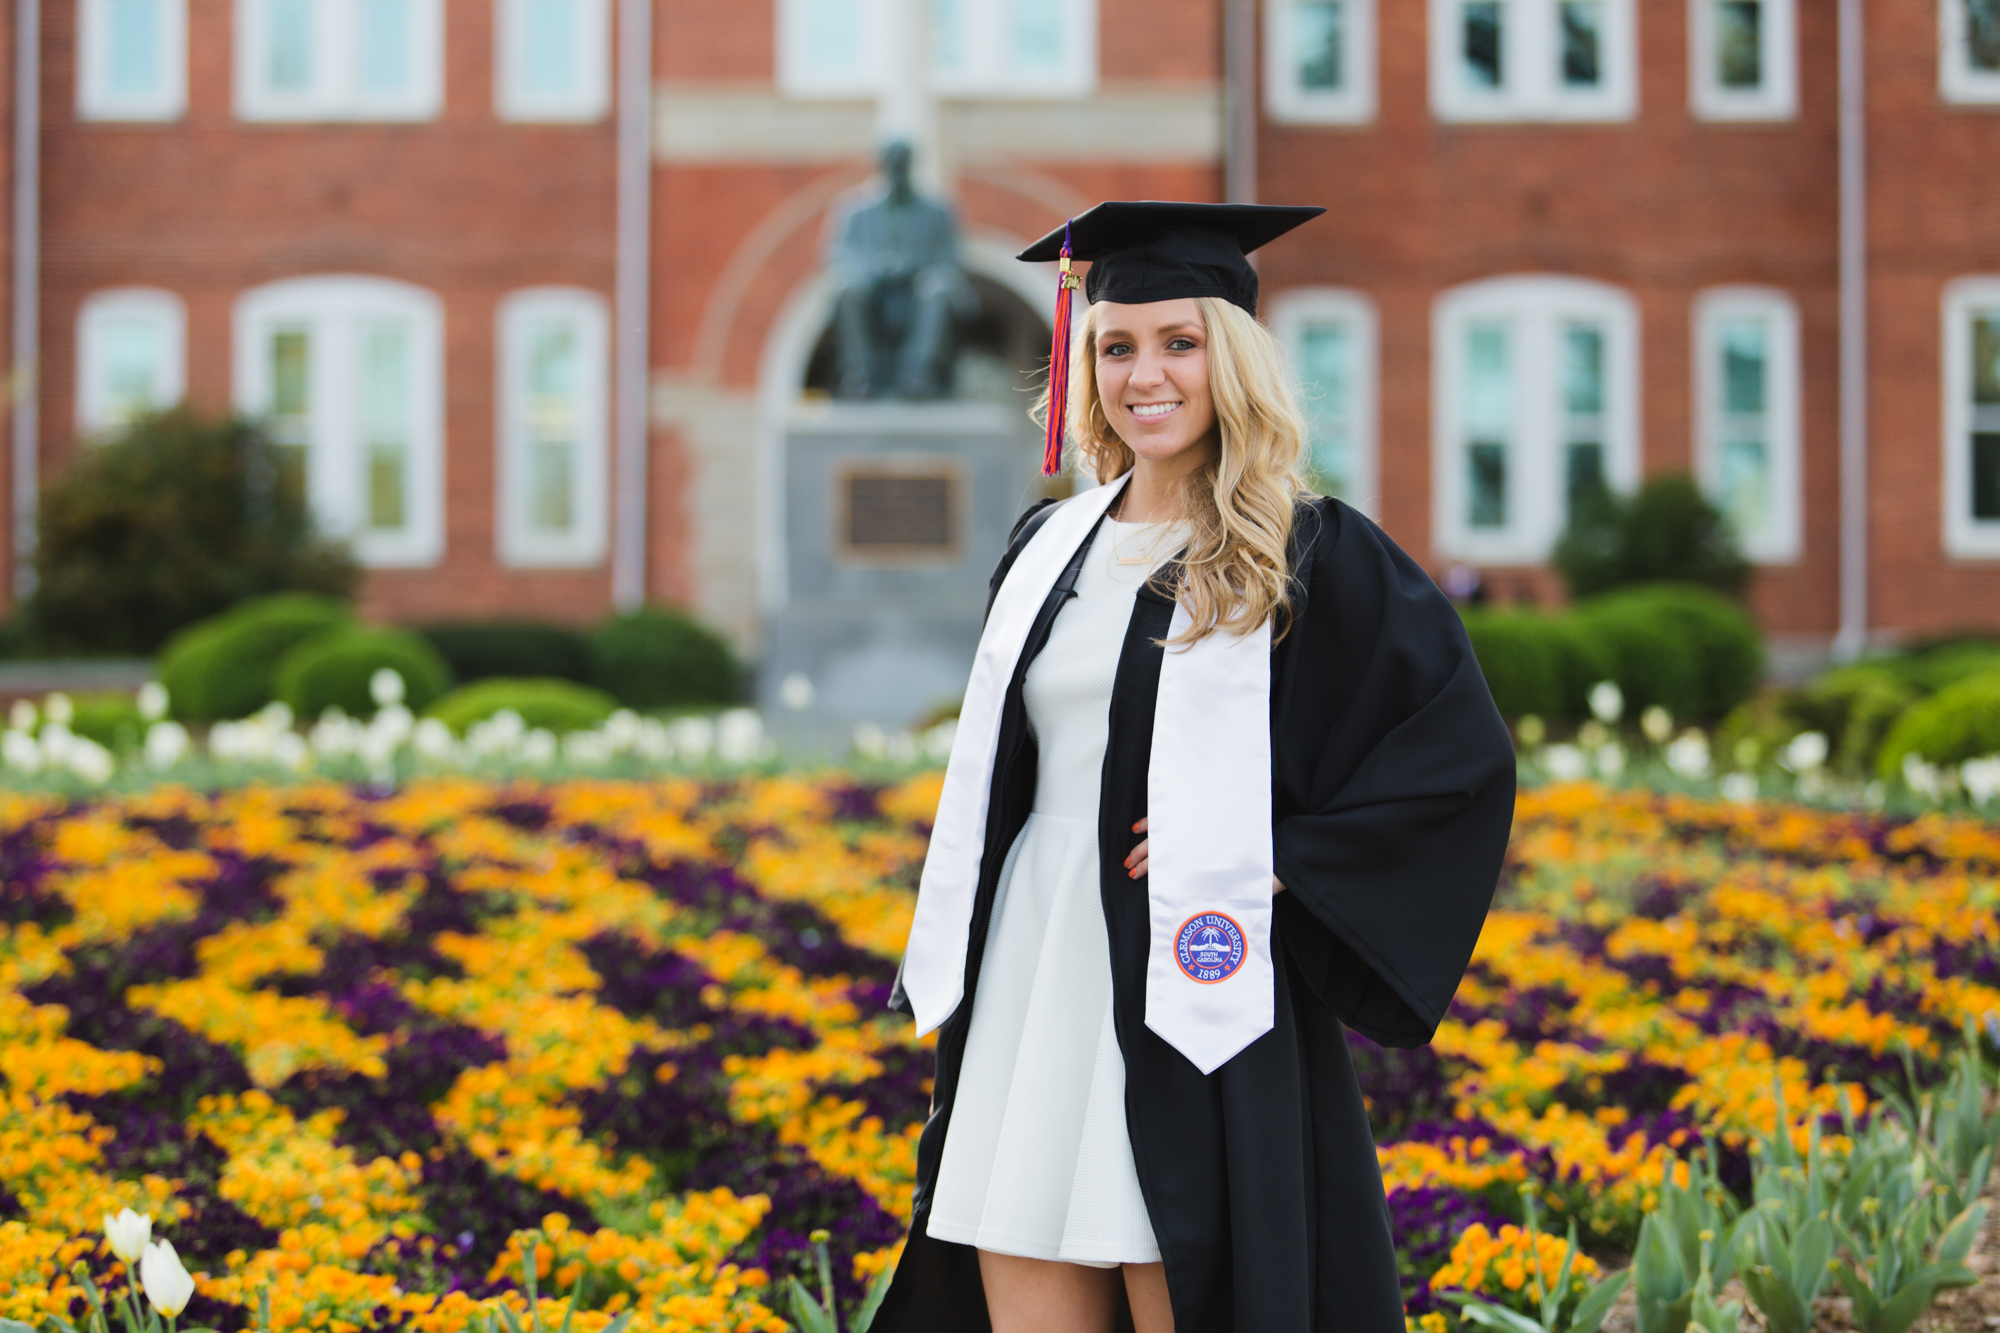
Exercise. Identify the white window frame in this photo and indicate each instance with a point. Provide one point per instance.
(1777, 99)
(1290, 313)
(1534, 308)
(96, 99)
(1531, 89)
(798, 73)
(592, 99)
(881, 36)
(514, 540)
(1285, 101)
(1775, 309)
(336, 94)
(1965, 538)
(332, 308)
(1958, 81)
(95, 416)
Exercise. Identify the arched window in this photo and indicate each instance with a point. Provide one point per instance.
(554, 377)
(130, 356)
(1330, 334)
(1972, 418)
(1535, 403)
(349, 371)
(1746, 382)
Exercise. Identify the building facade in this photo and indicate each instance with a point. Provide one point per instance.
(1568, 240)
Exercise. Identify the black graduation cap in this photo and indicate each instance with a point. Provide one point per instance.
(1153, 250)
(1145, 250)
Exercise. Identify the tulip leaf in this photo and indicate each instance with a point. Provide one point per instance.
(870, 1303)
(15, 1326)
(1488, 1315)
(1774, 1299)
(1590, 1311)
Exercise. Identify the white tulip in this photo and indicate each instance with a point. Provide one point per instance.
(740, 739)
(91, 761)
(1565, 763)
(128, 1233)
(1607, 701)
(58, 709)
(796, 692)
(153, 701)
(22, 716)
(1739, 787)
(1688, 756)
(385, 687)
(1611, 759)
(166, 744)
(1981, 778)
(1806, 752)
(1922, 778)
(1531, 730)
(1657, 723)
(167, 1284)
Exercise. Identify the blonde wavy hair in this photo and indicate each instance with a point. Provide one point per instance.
(1235, 574)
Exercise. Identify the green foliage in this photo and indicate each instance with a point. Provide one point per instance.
(1901, 1261)
(109, 717)
(225, 667)
(1687, 1234)
(657, 658)
(179, 518)
(1521, 656)
(1930, 667)
(499, 648)
(557, 705)
(1951, 1127)
(1723, 644)
(1668, 530)
(817, 1315)
(334, 671)
(1587, 1315)
(1651, 664)
(1957, 723)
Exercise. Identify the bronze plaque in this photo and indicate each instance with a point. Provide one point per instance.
(899, 514)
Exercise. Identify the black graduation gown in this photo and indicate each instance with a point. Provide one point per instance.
(1392, 796)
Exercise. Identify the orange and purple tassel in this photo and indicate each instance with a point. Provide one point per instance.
(1059, 366)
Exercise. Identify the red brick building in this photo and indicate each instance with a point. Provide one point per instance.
(535, 283)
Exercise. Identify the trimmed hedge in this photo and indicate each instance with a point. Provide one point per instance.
(658, 658)
(516, 650)
(1717, 636)
(557, 705)
(334, 671)
(226, 667)
(1522, 658)
(1953, 725)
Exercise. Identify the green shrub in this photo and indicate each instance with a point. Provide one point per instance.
(226, 667)
(1651, 660)
(1953, 725)
(178, 518)
(1855, 706)
(1582, 659)
(558, 705)
(109, 717)
(1724, 642)
(1939, 666)
(1520, 655)
(1667, 531)
(484, 650)
(334, 671)
(658, 658)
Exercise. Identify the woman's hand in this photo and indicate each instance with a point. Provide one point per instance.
(1138, 858)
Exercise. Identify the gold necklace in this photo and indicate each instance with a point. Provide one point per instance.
(1145, 557)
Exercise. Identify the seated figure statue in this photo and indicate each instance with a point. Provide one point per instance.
(895, 267)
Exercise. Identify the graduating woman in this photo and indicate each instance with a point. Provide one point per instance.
(1227, 781)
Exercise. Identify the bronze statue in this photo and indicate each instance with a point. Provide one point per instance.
(895, 267)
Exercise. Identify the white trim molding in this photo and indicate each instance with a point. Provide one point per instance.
(1330, 333)
(350, 370)
(1319, 61)
(1535, 389)
(1747, 418)
(131, 357)
(1972, 418)
(1534, 60)
(325, 60)
(971, 48)
(552, 60)
(1743, 59)
(554, 428)
(1968, 53)
(131, 60)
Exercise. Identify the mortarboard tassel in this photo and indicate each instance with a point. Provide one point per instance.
(1059, 366)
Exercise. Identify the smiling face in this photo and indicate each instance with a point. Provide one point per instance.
(1152, 378)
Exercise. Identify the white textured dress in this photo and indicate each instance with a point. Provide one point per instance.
(1037, 1161)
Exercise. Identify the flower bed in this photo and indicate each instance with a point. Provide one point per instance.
(360, 1052)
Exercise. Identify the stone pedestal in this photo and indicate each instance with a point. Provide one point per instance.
(893, 518)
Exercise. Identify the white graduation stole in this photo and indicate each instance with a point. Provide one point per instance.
(1208, 800)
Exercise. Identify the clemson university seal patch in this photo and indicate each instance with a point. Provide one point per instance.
(1209, 947)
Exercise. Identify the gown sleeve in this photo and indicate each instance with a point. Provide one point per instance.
(1393, 788)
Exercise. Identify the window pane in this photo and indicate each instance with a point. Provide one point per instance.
(1326, 369)
(1746, 485)
(550, 48)
(1583, 474)
(555, 373)
(1583, 370)
(1739, 43)
(1319, 28)
(948, 34)
(385, 45)
(385, 422)
(1484, 62)
(1743, 367)
(1489, 417)
(132, 361)
(1037, 37)
(1986, 475)
(832, 40)
(291, 386)
(133, 37)
(1982, 35)
(288, 57)
(1582, 40)
(1986, 359)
